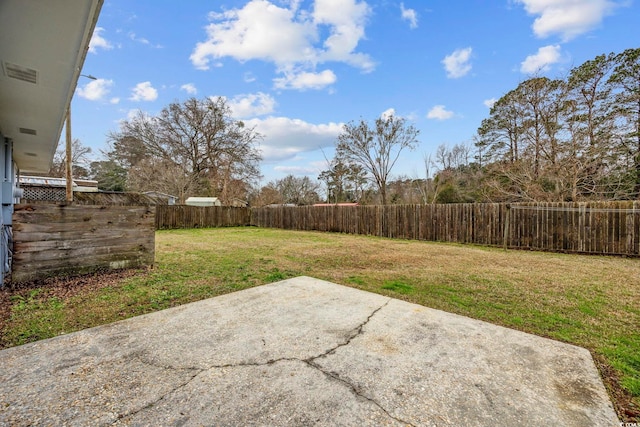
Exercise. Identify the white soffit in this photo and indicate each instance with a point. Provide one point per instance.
(43, 44)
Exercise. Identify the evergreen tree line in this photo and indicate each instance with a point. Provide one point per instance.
(570, 139)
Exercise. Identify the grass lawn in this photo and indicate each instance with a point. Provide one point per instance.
(589, 301)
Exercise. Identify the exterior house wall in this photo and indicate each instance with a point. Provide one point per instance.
(8, 193)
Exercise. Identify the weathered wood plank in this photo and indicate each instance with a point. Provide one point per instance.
(61, 244)
(565, 227)
(74, 239)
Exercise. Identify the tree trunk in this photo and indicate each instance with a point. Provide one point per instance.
(383, 194)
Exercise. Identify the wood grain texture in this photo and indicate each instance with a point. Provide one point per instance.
(54, 240)
(607, 228)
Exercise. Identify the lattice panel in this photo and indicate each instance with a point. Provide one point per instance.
(45, 194)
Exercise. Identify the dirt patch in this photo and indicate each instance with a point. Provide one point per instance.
(627, 411)
(5, 311)
(62, 288)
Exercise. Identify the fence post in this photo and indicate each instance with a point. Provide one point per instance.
(505, 234)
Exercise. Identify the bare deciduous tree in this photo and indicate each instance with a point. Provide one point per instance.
(267, 195)
(79, 160)
(162, 176)
(376, 148)
(196, 138)
(298, 190)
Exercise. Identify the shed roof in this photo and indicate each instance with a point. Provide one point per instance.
(202, 199)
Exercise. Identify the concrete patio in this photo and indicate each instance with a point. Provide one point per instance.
(296, 353)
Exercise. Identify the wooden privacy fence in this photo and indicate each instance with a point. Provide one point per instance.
(464, 223)
(611, 228)
(58, 240)
(183, 216)
(598, 228)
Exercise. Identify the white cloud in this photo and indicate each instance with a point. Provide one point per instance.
(294, 40)
(144, 92)
(133, 113)
(97, 41)
(489, 103)
(190, 88)
(260, 30)
(568, 18)
(440, 112)
(346, 20)
(541, 61)
(387, 113)
(298, 170)
(305, 80)
(114, 100)
(251, 105)
(133, 36)
(457, 63)
(409, 15)
(95, 90)
(286, 138)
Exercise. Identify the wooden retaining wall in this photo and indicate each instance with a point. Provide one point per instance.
(58, 240)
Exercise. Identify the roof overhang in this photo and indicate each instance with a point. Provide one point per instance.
(43, 45)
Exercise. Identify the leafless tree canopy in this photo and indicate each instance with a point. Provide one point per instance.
(290, 190)
(79, 160)
(376, 148)
(191, 148)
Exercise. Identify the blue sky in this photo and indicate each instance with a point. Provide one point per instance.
(297, 70)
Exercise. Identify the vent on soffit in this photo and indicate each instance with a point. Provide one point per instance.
(28, 131)
(19, 72)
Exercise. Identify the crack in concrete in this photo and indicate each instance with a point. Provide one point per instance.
(155, 402)
(356, 391)
(310, 361)
(210, 367)
(355, 332)
(334, 376)
(193, 377)
(485, 393)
